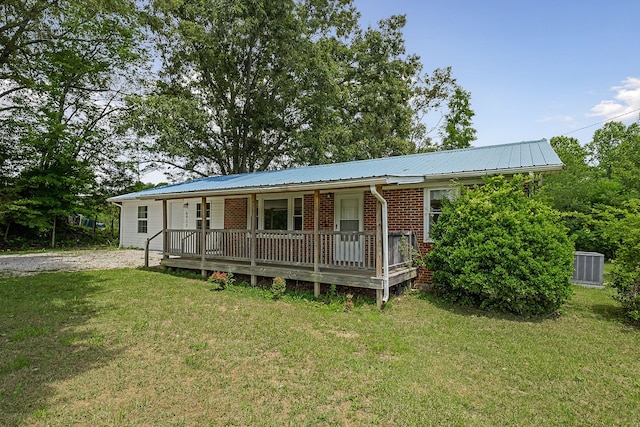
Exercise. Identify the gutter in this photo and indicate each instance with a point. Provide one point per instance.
(385, 243)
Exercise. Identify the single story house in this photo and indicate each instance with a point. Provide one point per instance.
(346, 223)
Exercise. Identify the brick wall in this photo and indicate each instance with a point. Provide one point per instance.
(405, 209)
(235, 214)
(326, 212)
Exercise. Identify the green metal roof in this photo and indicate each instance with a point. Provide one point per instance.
(521, 157)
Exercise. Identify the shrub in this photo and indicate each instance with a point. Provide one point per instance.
(278, 287)
(220, 280)
(495, 248)
(348, 304)
(626, 271)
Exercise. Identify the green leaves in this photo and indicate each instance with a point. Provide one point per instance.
(66, 76)
(497, 249)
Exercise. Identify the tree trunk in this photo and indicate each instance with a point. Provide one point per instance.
(53, 232)
(6, 232)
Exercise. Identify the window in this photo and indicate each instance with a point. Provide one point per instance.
(275, 214)
(199, 215)
(143, 214)
(433, 206)
(282, 214)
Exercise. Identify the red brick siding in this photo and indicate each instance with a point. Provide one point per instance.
(235, 214)
(326, 212)
(405, 208)
(307, 212)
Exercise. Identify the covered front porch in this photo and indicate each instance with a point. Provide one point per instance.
(368, 259)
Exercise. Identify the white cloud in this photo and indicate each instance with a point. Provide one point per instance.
(557, 119)
(626, 101)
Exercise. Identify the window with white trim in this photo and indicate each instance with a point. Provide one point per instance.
(281, 214)
(433, 198)
(143, 215)
(199, 215)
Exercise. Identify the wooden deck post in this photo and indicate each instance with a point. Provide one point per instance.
(165, 235)
(253, 243)
(316, 240)
(379, 234)
(203, 236)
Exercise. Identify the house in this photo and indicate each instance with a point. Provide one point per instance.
(346, 223)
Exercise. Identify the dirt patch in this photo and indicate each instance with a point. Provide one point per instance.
(28, 264)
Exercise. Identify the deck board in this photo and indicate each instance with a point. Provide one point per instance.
(344, 277)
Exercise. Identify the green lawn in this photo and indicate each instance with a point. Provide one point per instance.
(131, 347)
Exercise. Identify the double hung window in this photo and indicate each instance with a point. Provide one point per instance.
(143, 214)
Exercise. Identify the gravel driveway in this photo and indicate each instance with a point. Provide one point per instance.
(28, 264)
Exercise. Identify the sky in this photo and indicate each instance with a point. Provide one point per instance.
(535, 69)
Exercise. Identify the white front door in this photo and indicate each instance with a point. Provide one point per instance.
(348, 218)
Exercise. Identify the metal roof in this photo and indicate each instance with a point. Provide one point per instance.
(521, 157)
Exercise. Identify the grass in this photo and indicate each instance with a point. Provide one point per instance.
(133, 347)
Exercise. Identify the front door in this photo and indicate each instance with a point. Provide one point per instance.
(348, 219)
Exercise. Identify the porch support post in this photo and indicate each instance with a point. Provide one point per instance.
(378, 235)
(379, 247)
(253, 243)
(316, 241)
(165, 234)
(203, 236)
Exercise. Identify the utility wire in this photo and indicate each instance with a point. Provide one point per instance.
(603, 121)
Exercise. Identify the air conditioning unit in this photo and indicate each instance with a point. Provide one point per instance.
(588, 269)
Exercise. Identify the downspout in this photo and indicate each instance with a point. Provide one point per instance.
(385, 243)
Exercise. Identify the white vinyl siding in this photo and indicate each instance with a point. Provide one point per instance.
(129, 223)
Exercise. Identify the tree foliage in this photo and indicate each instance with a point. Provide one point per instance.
(624, 228)
(253, 85)
(598, 178)
(67, 68)
(458, 131)
(496, 248)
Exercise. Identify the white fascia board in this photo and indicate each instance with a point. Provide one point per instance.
(505, 171)
(285, 188)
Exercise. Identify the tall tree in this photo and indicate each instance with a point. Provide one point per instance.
(58, 126)
(256, 84)
(457, 131)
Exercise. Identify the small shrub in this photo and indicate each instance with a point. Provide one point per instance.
(348, 304)
(497, 249)
(278, 287)
(220, 280)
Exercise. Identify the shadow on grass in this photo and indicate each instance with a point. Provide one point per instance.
(45, 338)
(472, 311)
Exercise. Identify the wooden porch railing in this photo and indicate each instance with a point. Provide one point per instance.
(348, 250)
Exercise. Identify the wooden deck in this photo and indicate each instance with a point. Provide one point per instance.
(337, 276)
(353, 258)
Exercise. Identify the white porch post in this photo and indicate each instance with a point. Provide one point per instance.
(203, 236)
(253, 243)
(165, 234)
(316, 241)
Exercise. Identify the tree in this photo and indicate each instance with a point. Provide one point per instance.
(259, 84)
(626, 271)
(597, 179)
(457, 131)
(497, 249)
(58, 126)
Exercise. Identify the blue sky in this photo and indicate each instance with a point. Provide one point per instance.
(535, 69)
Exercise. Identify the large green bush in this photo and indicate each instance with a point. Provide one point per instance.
(626, 271)
(498, 249)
